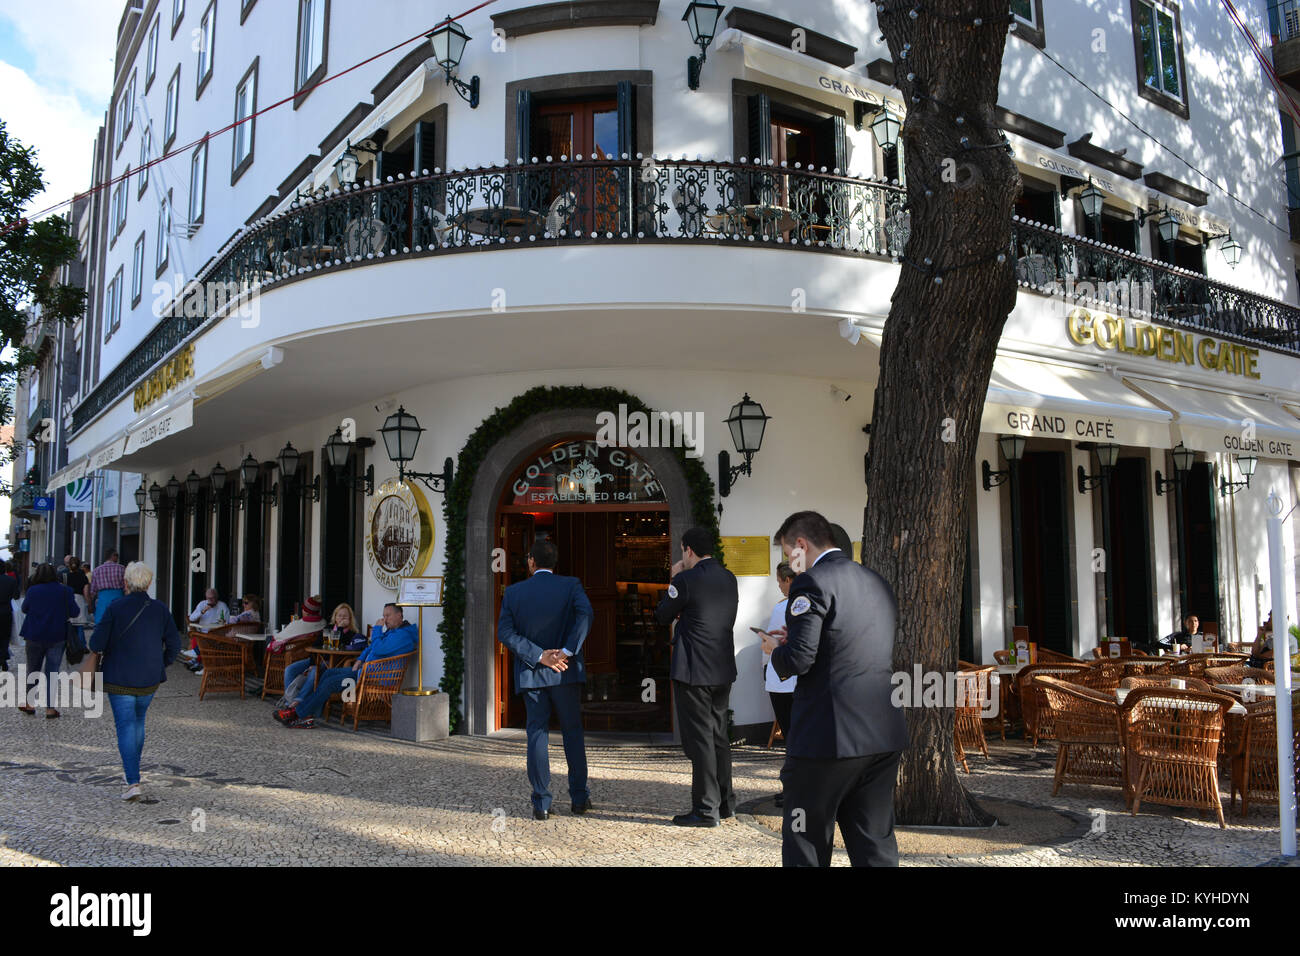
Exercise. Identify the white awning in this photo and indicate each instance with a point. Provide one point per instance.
(105, 455)
(1043, 160)
(68, 474)
(818, 76)
(175, 418)
(1047, 400)
(410, 90)
(1217, 422)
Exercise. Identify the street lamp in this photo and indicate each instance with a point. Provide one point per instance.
(1183, 457)
(173, 489)
(401, 433)
(701, 18)
(747, 423)
(1247, 465)
(448, 47)
(289, 459)
(1107, 455)
(153, 494)
(250, 471)
(1231, 248)
(1013, 449)
(1166, 225)
(337, 453)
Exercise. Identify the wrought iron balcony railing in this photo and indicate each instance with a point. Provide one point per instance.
(641, 201)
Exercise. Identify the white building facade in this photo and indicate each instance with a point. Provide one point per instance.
(509, 271)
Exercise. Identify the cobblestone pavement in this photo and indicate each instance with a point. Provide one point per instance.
(227, 785)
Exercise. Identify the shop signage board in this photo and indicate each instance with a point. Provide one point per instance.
(399, 533)
(749, 555)
(176, 420)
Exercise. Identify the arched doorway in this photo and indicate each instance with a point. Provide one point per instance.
(500, 467)
(605, 510)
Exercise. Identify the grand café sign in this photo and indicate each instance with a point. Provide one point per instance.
(1124, 334)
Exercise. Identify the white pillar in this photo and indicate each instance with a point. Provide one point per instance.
(1286, 804)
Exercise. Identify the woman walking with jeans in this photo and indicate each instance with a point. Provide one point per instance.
(137, 638)
(48, 607)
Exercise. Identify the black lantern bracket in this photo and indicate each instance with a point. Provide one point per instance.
(451, 39)
(339, 452)
(701, 17)
(991, 479)
(1247, 465)
(436, 482)
(728, 473)
(1107, 456)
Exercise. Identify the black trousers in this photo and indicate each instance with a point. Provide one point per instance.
(702, 723)
(856, 792)
(782, 705)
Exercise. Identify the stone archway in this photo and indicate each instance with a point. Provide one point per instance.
(498, 465)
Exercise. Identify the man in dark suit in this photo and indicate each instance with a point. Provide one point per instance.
(544, 621)
(845, 736)
(702, 597)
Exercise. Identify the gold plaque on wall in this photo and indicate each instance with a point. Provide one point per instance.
(399, 533)
(750, 555)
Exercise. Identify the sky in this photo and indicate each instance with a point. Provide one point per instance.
(56, 78)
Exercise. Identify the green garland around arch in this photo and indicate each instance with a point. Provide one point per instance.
(455, 506)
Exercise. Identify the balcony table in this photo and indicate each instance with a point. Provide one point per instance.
(497, 220)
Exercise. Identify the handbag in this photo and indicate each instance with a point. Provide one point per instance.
(73, 648)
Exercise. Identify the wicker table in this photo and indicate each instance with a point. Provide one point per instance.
(1237, 710)
(326, 657)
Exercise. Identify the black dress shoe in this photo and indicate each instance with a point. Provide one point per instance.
(580, 808)
(726, 814)
(541, 815)
(694, 819)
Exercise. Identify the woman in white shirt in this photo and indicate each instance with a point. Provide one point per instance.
(780, 691)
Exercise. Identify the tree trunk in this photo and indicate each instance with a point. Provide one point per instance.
(955, 289)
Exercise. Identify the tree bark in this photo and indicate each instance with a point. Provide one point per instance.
(953, 297)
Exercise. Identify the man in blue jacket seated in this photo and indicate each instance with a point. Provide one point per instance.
(392, 637)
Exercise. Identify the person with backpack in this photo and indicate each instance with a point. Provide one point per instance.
(137, 639)
(48, 606)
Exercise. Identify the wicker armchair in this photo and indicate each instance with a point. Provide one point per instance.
(1002, 657)
(223, 664)
(1146, 666)
(379, 681)
(1089, 743)
(1033, 705)
(1226, 675)
(277, 661)
(1046, 656)
(1102, 675)
(1260, 675)
(1172, 739)
(1254, 756)
(973, 690)
(1188, 667)
(1190, 683)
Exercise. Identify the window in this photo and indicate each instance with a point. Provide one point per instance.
(117, 207)
(125, 111)
(206, 37)
(1039, 202)
(1157, 41)
(146, 145)
(245, 107)
(164, 232)
(198, 182)
(172, 110)
(137, 271)
(151, 55)
(113, 305)
(178, 14)
(313, 17)
(1028, 21)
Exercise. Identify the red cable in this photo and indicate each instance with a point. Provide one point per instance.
(225, 129)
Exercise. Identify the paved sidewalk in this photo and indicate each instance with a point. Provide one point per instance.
(229, 785)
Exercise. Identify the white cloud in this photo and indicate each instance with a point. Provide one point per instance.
(57, 126)
(72, 44)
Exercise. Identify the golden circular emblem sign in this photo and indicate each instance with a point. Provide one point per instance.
(399, 532)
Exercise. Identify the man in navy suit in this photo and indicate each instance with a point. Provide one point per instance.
(544, 621)
(845, 735)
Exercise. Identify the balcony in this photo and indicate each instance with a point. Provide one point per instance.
(1284, 19)
(604, 202)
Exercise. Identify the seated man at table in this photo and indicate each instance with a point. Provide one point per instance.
(209, 612)
(1179, 642)
(391, 637)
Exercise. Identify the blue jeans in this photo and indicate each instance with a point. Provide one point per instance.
(292, 672)
(567, 701)
(128, 715)
(331, 683)
(104, 598)
(47, 658)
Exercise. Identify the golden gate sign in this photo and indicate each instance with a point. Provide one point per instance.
(164, 378)
(399, 533)
(1122, 334)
